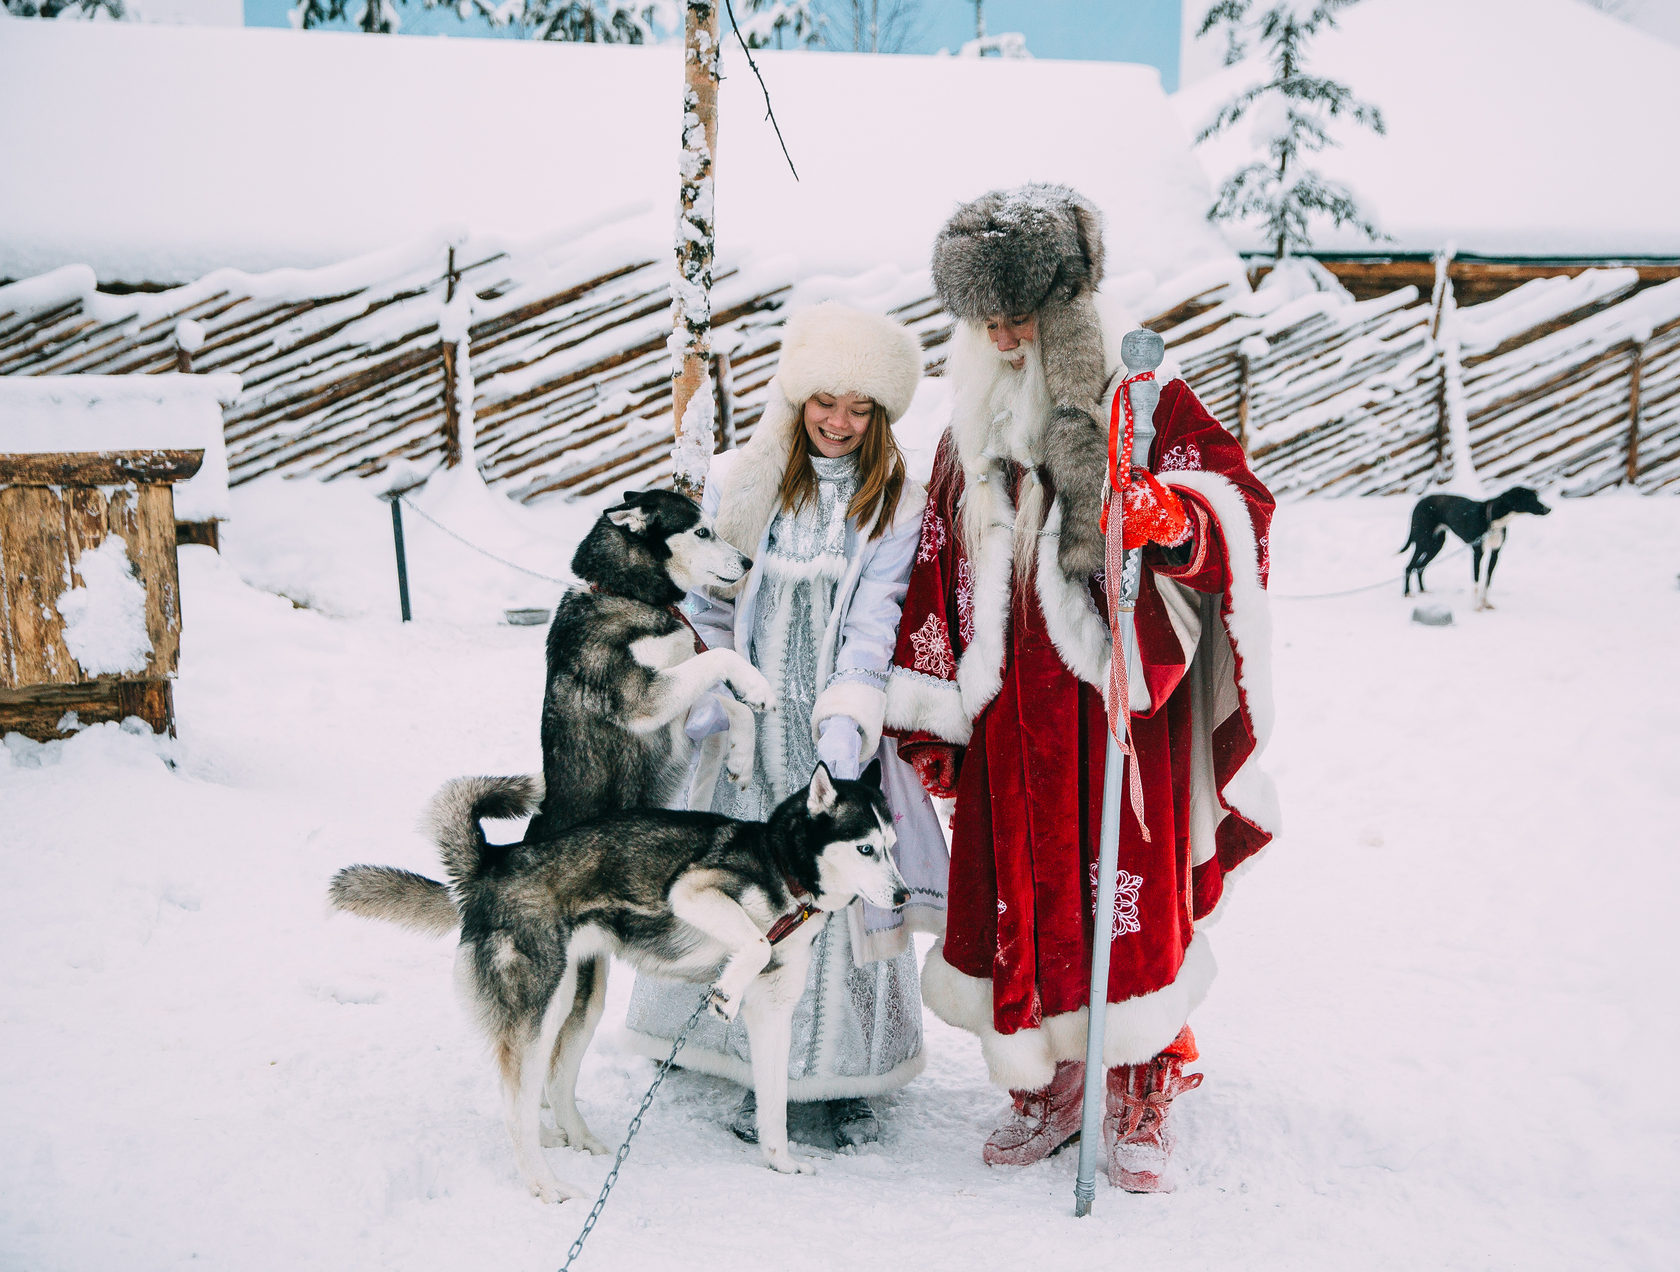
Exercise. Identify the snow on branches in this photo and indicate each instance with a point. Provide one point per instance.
(1289, 112)
(778, 23)
(577, 21)
(69, 8)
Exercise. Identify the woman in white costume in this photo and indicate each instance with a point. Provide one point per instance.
(820, 499)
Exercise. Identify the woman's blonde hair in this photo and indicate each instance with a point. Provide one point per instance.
(880, 473)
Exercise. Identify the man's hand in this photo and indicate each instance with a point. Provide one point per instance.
(1153, 513)
(936, 764)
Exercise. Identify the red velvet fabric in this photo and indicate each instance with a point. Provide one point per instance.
(1029, 792)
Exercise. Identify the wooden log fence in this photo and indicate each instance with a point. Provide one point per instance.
(1572, 383)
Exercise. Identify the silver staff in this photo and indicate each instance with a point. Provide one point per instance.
(1140, 351)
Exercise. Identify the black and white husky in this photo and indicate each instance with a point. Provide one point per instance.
(689, 896)
(623, 669)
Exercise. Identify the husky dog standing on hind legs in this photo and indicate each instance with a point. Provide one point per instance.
(687, 896)
(624, 666)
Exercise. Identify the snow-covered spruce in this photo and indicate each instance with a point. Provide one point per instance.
(1289, 112)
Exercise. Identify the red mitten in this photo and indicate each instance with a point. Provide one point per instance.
(1153, 513)
(936, 764)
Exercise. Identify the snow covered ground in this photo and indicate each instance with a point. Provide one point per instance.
(1438, 1040)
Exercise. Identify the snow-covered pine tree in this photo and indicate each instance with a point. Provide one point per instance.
(591, 21)
(779, 24)
(1291, 109)
(75, 8)
(693, 401)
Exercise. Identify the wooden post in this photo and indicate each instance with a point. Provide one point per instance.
(451, 410)
(691, 307)
(1633, 411)
(1244, 379)
(1439, 301)
(724, 377)
(55, 509)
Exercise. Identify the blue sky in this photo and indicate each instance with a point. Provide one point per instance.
(1106, 30)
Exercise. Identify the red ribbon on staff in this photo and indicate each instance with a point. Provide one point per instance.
(1119, 699)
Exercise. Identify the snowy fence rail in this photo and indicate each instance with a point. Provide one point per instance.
(565, 388)
(1572, 383)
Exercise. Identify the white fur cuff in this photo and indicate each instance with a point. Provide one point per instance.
(864, 703)
(928, 705)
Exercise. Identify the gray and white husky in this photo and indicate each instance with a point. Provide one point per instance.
(623, 669)
(690, 896)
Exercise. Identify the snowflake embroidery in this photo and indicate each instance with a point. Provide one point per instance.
(1001, 907)
(932, 644)
(1181, 457)
(933, 535)
(1125, 902)
(965, 602)
(1265, 546)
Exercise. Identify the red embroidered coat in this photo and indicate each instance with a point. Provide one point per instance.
(1012, 673)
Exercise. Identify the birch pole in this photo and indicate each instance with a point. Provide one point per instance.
(693, 403)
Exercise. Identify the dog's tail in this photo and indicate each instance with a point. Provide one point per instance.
(397, 896)
(458, 809)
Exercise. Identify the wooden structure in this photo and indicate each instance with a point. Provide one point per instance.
(1567, 382)
(1475, 278)
(560, 368)
(55, 509)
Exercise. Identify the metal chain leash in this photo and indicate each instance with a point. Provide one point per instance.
(635, 1125)
(1354, 591)
(512, 565)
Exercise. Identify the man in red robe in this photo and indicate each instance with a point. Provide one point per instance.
(996, 689)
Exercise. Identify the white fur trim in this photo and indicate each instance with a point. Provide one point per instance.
(747, 489)
(1076, 629)
(1250, 624)
(800, 1090)
(863, 702)
(980, 669)
(918, 702)
(1133, 1031)
(831, 348)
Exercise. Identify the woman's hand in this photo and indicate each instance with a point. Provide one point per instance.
(937, 765)
(840, 746)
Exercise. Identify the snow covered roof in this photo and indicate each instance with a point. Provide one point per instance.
(1532, 128)
(160, 154)
(93, 413)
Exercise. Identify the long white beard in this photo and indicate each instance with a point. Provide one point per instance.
(999, 415)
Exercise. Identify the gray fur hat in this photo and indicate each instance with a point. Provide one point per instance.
(1038, 249)
(1015, 251)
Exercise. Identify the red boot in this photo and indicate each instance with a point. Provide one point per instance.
(1135, 1129)
(1043, 1121)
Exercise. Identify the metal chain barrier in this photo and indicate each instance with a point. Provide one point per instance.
(635, 1125)
(1354, 591)
(536, 574)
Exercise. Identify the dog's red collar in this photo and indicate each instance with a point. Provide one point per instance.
(675, 611)
(788, 924)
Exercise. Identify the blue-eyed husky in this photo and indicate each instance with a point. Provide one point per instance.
(689, 896)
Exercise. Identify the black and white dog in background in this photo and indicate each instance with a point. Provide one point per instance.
(690, 896)
(623, 668)
(1479, 522)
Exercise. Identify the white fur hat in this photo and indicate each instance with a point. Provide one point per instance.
(831, 348)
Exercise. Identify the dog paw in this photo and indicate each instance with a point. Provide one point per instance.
(553, 1137)
(741, 771)
(723, 1005)
(754, 689)
(585, 1139)
(551, 1190)
(787, 1164)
